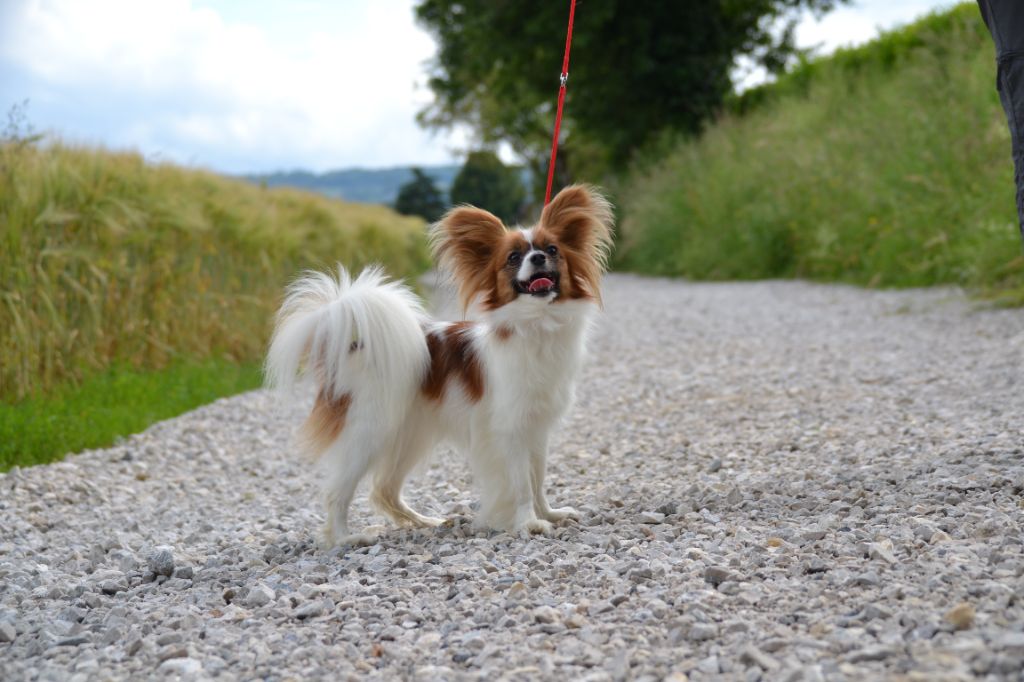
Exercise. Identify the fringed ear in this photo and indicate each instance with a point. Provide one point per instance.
(463, 243)
(580, 218)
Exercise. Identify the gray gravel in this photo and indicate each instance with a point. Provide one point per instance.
(777, 481)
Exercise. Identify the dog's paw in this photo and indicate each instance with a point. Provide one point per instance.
(430, 522)
(329, 541)
(535, 527)
(357, 540)
(561, 514)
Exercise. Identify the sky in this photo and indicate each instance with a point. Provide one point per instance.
(253, 86)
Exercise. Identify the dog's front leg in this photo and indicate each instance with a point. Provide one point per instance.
(518, 462)
(538, 468)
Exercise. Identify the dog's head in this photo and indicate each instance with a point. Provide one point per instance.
(559, 259)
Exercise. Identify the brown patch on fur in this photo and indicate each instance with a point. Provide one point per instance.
(326, 422)
(503, 333)
(579, 221)
(464, 243)
(452, 357)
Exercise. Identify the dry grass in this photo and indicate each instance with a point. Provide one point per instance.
(108, 260)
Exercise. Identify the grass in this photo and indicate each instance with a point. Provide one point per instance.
(884, 165)
(111, 266)
(113, 403)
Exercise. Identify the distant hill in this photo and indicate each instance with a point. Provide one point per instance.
(371, 186)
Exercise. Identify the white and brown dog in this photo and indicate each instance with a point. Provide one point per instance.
(392, 383)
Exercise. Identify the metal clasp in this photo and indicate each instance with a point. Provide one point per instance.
(563, 79)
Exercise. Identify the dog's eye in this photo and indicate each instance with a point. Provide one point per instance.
(514, 257)
(552, 250)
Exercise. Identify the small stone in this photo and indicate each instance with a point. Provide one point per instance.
(701, 632)
(309, 610)
(516, 591)
(717, 575)
(161, 561)
(73, 641)
(260, 595)
(134, 646)
(751, 655)
(172, 651)
(168, 638)
(709, 665)
(716, 465)
(871, 653)
(729, 587)
(113, 586)
(868, 579)
(961, 616)
(181, 666)
(883, 551)
(734, 497)
(545, 614)
(7, 633)
(1010, 641)
(652, 517)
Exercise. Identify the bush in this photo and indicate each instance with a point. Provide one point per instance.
(886, 165)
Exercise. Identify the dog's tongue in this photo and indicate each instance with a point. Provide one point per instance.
(541, 283)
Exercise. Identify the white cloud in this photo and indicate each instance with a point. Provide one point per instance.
(228, 92)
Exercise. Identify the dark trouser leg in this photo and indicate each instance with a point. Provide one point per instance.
(1005, 21)
(1011, 93)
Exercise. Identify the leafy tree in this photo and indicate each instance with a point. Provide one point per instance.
(420, 196)
(486, 182)
(638, 68)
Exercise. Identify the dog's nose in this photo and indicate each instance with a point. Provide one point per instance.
(538, 259)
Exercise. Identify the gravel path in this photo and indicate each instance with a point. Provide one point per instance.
(778, 481)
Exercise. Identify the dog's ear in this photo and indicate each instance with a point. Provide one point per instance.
(580, 218)
(463, 243)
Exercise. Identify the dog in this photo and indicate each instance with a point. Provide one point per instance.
(392, 383)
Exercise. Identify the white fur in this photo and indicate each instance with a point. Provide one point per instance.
(391, 425)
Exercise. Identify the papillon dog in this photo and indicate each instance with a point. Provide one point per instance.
(391, 383)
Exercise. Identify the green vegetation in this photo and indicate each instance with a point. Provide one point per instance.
(487, 182)
(420, 196)
(109, 261)
(638, 69)
(117, 402)
(886, 165)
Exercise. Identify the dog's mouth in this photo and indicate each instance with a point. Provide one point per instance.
(539, 284)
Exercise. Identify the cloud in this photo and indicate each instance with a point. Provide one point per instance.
(319, 85)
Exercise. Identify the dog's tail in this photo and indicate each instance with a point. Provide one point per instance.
(362, 342)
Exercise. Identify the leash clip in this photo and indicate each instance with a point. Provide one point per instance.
(563, 79)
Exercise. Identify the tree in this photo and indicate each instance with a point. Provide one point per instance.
(486, 182)
(638, 68)
(420, 196)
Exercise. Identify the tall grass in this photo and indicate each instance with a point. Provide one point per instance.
(886, 165)
(108, 260)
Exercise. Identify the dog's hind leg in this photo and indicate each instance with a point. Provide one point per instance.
(390, 475)
(347, 464)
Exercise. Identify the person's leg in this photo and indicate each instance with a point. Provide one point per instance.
(1005, 21)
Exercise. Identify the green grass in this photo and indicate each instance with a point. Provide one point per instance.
(114, 403)
(115, 272)
(884, 165)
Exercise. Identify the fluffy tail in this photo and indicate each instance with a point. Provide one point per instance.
(362, 341)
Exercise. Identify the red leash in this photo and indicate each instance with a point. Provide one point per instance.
(563, 79)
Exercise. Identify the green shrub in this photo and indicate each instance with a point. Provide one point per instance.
(885, 165)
